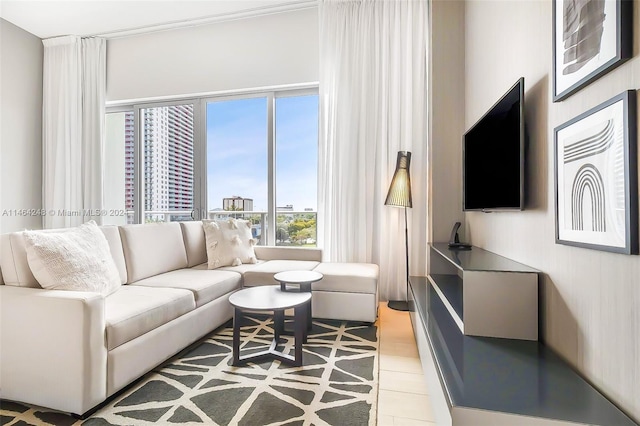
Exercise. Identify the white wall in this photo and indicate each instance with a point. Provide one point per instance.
(20, 127)
(446, 111)
(254, 52)
(590, 300)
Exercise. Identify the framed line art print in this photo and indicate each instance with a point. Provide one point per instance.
(596, 180)
(590, 38)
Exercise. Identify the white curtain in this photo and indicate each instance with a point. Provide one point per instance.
(74, 92)
(373, 103)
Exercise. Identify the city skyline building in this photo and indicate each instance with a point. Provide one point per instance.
(236, 202)
(129, 167)
(168, 158)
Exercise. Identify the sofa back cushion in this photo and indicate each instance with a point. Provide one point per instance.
(112, 234)
(15, 267)
(152, 249)
(194, 242)
(288, 253)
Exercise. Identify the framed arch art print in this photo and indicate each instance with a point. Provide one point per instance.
(596, 179)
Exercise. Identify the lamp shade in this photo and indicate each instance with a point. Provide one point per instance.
(400, 189)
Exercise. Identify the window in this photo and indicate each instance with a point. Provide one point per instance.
(245, 156)
(168, 148)
(296, 125)
(237, 165)
(278, 192)
(119, 168)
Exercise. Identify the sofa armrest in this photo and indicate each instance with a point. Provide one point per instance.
(288, 253)
(52, 348)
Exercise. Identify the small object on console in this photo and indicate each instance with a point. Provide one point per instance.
(454, 240)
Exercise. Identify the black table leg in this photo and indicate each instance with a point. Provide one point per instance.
(237, 319)
(300, 288)
(278, 324)
(307, 287)
(300, 333)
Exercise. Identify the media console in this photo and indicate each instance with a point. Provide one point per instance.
(492, 370)
(480, 290)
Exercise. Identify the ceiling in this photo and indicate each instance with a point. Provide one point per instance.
(114, 18)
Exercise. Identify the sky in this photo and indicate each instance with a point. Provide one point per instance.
(237, 151)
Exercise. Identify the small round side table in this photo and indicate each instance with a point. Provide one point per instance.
(299, 281)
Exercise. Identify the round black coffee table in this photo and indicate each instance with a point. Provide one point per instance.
(271, 298)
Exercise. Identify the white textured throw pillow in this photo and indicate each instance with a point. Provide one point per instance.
(72, 259)
(229, 242)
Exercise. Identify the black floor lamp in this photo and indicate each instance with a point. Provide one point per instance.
(399, 195)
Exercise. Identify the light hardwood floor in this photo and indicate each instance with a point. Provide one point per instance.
(402, 395)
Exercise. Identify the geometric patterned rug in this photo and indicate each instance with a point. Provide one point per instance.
(336, 385)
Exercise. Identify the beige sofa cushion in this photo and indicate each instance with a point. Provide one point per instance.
(263, 273)
(241, 269)
(288, 253)
(15, 267)
(206, 285)
(152, 249)
(194, 242)
(133, 311)
(347, 277)
(112, 234)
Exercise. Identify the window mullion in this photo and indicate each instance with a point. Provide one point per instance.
(200, 160)
(138, 169)
(271, 175)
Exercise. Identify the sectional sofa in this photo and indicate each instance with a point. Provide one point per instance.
(71, 350)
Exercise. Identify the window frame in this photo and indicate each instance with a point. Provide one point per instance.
(200, 202)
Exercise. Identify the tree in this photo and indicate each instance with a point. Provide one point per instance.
(282, 234)
(304, 234)
(300, 224)
(302, 229)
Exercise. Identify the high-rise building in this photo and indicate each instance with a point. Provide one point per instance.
(236, 202)
(129, 167)
(168, 158)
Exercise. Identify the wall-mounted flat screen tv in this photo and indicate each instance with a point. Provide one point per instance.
(493, 156)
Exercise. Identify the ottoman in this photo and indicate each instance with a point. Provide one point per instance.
(347, 291)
